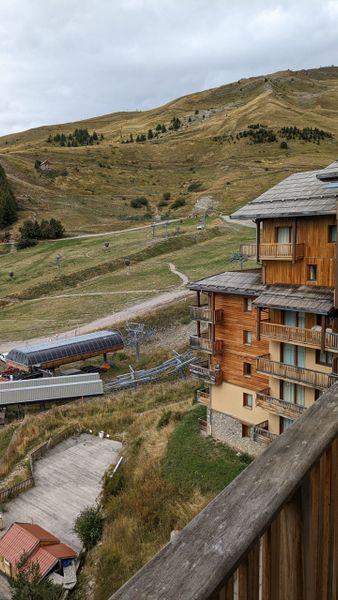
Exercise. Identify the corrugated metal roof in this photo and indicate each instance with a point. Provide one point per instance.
(303, 298)
(16, 542)
(45, 560)
(246, 283)
(39, 532)
(300, 194)
(46, 352)
(62, 551)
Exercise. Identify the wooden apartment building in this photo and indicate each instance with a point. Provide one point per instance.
(270, 335)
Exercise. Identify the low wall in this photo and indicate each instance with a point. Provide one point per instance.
(229, 430)
(33, 456)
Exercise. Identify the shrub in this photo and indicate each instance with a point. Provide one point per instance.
(195, 186)
(178, 203)
(166, 196)
(89, 526)
(139, 202)
(24, 242)
(284, 145)
(164, 419)
(8, 204)
(28, 583)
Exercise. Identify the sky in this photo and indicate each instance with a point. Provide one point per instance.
(64, 60)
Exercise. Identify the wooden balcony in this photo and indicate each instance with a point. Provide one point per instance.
(262, 435)
(274, 251)
(202, 371)
(270, 534)
(203, 425)
(203, 396)
(278, 406)
(204, 313)
(309, 377)
(298, 335)
(205, 344)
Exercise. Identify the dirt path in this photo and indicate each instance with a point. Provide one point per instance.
(116, 231)
(132, 312)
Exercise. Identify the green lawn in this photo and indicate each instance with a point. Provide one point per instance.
(120, 289)
(193, 461)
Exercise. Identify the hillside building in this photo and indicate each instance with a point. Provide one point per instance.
(270, 334)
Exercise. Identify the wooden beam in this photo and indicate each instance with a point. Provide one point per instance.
(258, 238)
(294, 239)
(258, 323)
(211, 547)
(323, 332)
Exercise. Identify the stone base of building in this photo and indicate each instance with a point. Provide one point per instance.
(226, 429)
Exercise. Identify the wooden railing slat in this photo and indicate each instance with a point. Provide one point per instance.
(268, 497)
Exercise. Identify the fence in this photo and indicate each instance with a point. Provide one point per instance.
(34, 455)
(269, 535)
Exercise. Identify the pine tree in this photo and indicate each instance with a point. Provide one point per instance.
(28, 583)
(8, 204)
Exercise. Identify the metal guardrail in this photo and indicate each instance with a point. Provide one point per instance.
(177, 364)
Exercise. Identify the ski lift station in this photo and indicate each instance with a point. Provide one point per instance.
(54, 353)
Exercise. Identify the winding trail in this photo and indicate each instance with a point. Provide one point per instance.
(132, 312)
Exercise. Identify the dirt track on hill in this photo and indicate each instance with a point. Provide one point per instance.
(132, 312)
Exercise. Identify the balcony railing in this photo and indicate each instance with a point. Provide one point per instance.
(274, 251)
(203, 424)
(308, 377)
(299, 335)
(261, 433)
(278, 406)
(204, 343)
(204, 313)
(270, 534)
(203, 396)
(202, 371)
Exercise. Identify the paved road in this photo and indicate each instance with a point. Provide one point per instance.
(67, 479)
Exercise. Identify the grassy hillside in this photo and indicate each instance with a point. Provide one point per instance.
(91, 186)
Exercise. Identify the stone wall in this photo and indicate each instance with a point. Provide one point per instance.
(229, 430)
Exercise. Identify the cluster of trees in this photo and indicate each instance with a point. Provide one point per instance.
(79, 137)
(308, 134)
(258, 134)
(32, 231)
(8, 204)
(139, 202)
(174, 125)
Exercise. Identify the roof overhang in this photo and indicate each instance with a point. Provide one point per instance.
(300, 299)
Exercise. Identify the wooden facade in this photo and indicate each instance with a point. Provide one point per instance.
(314, 235)
(269, 535)
(235, 352)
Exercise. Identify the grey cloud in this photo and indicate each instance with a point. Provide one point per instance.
(63, 60)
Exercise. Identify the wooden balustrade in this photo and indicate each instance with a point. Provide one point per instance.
(299, 335)
(278, 406)
(275, 251)
(269, 535)
(249, 250)
(204, 343)
(204, 313)
(202, 371)
(308, 377)
(203, 396)
(203, 424)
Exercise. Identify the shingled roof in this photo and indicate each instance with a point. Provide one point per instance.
(296, 297)
(301, 194)
(245, 283)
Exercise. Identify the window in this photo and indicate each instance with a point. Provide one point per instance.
(247, 337)
(293, 318)
(312, 272)
(284, 423)
(324, 358)
(292, 355)
(292, 392)
(332, 233)
(248, 304)
(283, 235)
(247, 400)
(245, 430)
(247, 369)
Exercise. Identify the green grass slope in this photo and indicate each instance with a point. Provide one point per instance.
(102, 179)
